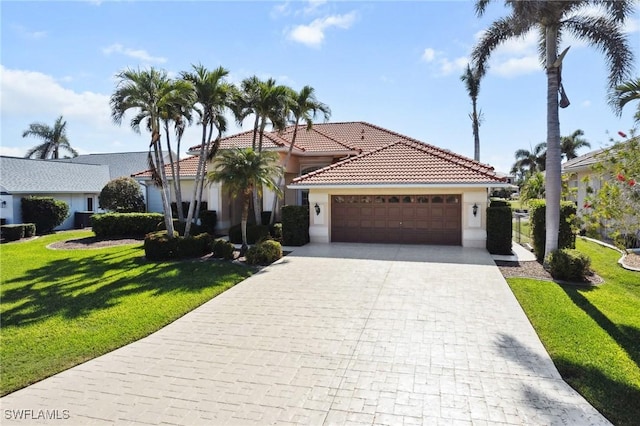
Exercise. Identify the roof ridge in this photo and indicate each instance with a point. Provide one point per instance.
(352, 148)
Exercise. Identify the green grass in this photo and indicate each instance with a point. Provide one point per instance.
(62, 307)
(592, 334)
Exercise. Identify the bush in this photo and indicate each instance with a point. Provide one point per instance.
(499, 203)
(223, 249)
(125, 224)
(194, 246)
(569, 265)
(255, 233)
(158, 246)
(566, 236)
(627, 241)
(265, 218)
(12, 232)
(264, 253)
(499, 228)
(29, 229)
(122, 195)
(45, 212)
(276, 231)
(295, 225)
(185, 208)
(208, 221)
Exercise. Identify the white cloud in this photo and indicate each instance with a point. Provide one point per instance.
(444, 65)
(313, 6)
(26, 33)
(281, 9)
(139, 54)
(585, 104)
(313, 34)
(12, 152)
(429, 54)
(631, 26)
(516, 56)
(516, 66)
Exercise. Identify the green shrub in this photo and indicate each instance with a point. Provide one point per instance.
(158, 246)
(29, 229)
(122, 195)
(276, 231)
(264, 253)
(208, 221)
(194, 246)
(265, 217)
(125, 224)
(566, 236)
(569, 265)
(499, 203)
(45, 212)
(222, 249)
(295, 225)
(255, 233)
(499, 228)
(185, 208)
(12, 232)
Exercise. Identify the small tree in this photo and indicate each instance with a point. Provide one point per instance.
(46, 212)
(122, 195)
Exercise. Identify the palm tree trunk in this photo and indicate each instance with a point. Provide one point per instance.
(174, 174)
(553, 182)
(243, 223)
(199, 173)
(168, 220)
(476, 131)
(255, 131)
(286, 162)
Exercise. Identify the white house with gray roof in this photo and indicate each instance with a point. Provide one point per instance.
(78, 185)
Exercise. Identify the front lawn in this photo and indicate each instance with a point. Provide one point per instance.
(62, 307)
(592, 334)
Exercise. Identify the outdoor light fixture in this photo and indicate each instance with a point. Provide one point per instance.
(317, 208)
(4, 204)
(475, 209)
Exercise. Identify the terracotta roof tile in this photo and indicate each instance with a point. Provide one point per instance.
(402, 162)
(244, 140)
(188, 167)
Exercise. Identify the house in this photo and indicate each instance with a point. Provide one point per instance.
(367, 184)
(78, 185)
(76, 181)
(581, 176)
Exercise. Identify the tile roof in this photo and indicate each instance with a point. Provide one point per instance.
(188, 168)
(120, 163)
(582, 162)
(271, 140)
(23, 175)
(402, 162)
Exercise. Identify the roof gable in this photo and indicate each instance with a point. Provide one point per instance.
(402, 162)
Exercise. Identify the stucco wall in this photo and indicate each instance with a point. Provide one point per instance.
(474, 232)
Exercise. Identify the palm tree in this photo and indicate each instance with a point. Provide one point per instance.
(627, 92)
(570, 144)
(53, 138)
(244, 103)
(149, 92)
(212, 98)
(531, 161)
(242, 171)
(471, 79)
(552, 20)
(303, 107)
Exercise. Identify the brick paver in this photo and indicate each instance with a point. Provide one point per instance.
(332, 334)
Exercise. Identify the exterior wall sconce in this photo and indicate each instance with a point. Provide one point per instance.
(475, 209)
(4, 204)
(317, 209)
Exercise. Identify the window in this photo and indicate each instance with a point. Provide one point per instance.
(90, 204)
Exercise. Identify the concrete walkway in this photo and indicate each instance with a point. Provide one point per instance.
(332, 334)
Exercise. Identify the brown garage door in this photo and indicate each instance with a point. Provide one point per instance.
(401, 219)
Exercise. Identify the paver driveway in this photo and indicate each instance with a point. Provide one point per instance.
(332, 334)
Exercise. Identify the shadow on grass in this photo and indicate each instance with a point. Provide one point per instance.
(76, 287)
(615, 400)
(627, 337)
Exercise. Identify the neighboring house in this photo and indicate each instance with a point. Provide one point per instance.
(368, 184)
(581, 176)
(78, 185)
(125, 164)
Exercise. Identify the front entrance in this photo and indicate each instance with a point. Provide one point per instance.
(398, 219)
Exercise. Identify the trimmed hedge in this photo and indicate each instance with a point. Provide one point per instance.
(185, 208)
(499, 228)
(158, 246)
(566, 235)
(17, 231)
(569, 265)
(208, 221)
(125, 224)
(222, 249)
(45, 212)
(264, 253)
(295, 225)
(255, 233)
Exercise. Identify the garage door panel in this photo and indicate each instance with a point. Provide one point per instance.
(410, 219)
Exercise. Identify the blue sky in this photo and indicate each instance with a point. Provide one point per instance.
(393, 64)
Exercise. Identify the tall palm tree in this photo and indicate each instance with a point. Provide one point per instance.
(627, 92)
(570, 144)
(531, 161)
(471, 79)
(553, 19)
(242, 171)
(244, 103)
(212, 98)
(148, 92)
(305, 107)
(53, 139)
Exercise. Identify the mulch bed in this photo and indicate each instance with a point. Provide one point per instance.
(93, 243)
(536, 270)
(632, 260)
